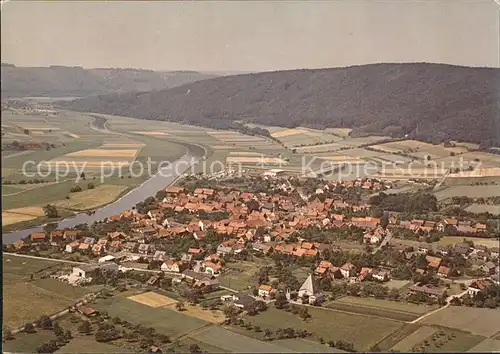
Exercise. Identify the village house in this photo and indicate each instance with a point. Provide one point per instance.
(263, 248)
(265, 290)
(71, 235)
(146, 248)
(160, 256)
(348, 270)
(223, 250)
(433, 262)
(212, 268)
(488, 267)
(429, 290)
(494, 252)
(478, 285)
(443, 272)
(171, 265)
(380, 274)
(56, 236)
(243, 300)
(84, 247)
(85, 271)
(131, 246)
(72, 247)
(38, 236)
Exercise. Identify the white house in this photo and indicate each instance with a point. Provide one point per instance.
(347, 270)
(85, 270)
(265, 290)
(170, 266)
(212, 268)
(72, 247)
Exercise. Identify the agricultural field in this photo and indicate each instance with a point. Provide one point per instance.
(27, 343)
(451, 240)
(487, 345)
(484, 208)
(415, 338)
(92, 198)
(89, 345)
(399, 311)
(127, 309)
(234, 342)
(468, 191)
(417, 149)
(361, 330)
(75, 141)
(305, 346)
(477, 321)
(26, 300)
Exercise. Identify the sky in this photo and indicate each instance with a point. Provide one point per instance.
(249, 35)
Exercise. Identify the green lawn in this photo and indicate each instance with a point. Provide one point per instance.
(362, 331)
(240, 275)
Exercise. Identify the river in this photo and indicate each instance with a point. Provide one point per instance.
(163, 178)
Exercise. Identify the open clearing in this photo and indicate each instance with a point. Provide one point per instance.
(363, 331)
(487, 345)
(413, 339)
(92, 198)
(27, 342)
(152, 299)
(400, 311)
(451, 240)
(479, 321)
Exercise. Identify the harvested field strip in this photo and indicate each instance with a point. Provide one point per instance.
(103, 152)
(244, 159)
(414, 338)
(371, 311)
(150, 133)
(112, 145)
(392, 339)
(152, 299)
(288, 132)
(92, 198)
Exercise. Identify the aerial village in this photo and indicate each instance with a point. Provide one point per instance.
(194, 232)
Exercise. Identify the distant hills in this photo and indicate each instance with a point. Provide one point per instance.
(59, 81)
(431, 102)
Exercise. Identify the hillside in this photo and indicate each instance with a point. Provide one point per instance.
(58, 81)
(430, 102)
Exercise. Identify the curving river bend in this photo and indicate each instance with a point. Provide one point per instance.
(163, 178)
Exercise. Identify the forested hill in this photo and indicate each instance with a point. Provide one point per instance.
(58, 81)
(432, 102)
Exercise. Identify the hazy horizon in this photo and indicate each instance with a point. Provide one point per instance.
(250, 36)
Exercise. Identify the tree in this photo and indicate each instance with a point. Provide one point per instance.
(90, 186)
(68, 334)
(280, 301)
(82, 176)
(85, 327)
(29, 328)
(179, 306)
(49, 347)
(76, 189)
(268, 333)
(194, 348)
(58, 331)
(44, 322)
(304, 313)
(7, 334)
(331, 343)
(50, 211)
